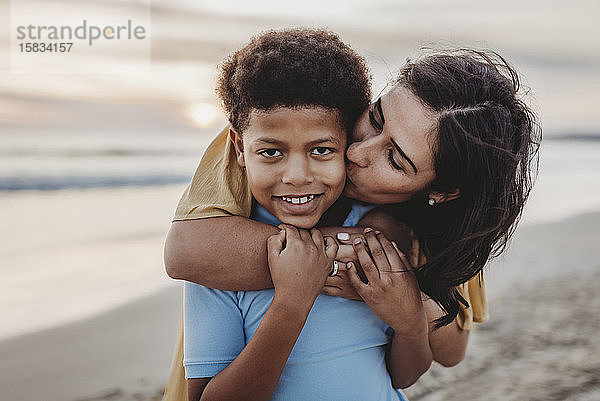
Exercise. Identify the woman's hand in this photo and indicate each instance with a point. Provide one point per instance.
(392, 291)
(299, 261)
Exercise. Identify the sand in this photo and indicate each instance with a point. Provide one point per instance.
(540, 343)
(123, 354)
(67, 255)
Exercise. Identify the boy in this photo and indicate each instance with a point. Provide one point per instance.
(291, 97)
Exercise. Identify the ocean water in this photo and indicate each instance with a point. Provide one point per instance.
(38, 161)
(568, 183)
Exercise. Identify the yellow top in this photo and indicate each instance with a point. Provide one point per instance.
(220, 188)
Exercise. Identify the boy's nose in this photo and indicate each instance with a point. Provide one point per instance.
(297, 172)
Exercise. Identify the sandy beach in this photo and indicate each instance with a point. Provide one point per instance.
(540, 343)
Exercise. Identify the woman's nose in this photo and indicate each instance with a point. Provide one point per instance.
(358, 153)
(297, 172)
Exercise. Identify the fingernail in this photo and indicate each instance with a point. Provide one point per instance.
(397, 249)
(349, 265)
(377, 232)
(368, 230)
(343, 236)
(357, 241)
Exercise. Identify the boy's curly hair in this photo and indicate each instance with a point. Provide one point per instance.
(294, 68)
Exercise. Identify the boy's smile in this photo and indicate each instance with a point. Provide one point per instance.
(298, 204)
(294, 159)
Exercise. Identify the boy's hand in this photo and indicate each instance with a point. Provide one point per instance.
(299, 261)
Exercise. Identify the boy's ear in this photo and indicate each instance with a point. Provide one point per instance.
(238, 145)
(441, 197)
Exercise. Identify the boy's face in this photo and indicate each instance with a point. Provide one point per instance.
(294, 159)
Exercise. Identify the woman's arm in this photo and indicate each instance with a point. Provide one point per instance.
(392, 292)
(448, 343)
(255, 372)
(225, 253)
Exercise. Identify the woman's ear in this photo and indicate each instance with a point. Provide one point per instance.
(441, 197)
(238, 145)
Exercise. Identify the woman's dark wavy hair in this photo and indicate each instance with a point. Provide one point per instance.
(487, 147)
(294, 68)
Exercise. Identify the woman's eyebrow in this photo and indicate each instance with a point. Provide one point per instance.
(399, 149)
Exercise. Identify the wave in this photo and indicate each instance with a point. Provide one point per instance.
(78, 182)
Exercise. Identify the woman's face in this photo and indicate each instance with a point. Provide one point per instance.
(390, 159)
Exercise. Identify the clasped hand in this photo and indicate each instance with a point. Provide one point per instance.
(383, 278)
(299, 261)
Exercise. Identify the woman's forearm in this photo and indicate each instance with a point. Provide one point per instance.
(225, 253)
(410, 354)
(448, 343)
(254, 374)
(408, 358)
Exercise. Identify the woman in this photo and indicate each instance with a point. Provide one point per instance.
(450, 150)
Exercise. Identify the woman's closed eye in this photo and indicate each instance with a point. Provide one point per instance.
(392, 161)
(270, 153)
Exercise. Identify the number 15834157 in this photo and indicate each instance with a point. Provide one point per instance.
(45, 47)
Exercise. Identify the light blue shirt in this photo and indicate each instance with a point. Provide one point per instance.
(339, 355)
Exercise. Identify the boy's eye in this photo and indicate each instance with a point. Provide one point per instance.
(270, 153)
(321, 150)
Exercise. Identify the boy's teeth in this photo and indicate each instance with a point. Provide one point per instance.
(298, 201)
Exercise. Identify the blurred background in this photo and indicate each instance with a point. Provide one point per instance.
(92, 166)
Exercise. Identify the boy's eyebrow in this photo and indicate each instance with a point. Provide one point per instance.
(325, 139)
(273, 141)
(269, 140)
